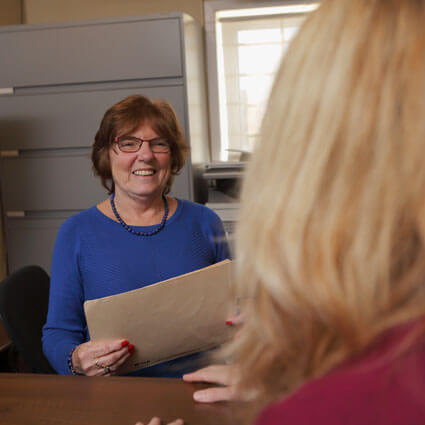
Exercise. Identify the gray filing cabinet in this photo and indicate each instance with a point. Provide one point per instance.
(56, 81)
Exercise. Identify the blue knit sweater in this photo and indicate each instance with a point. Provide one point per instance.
(94, 257)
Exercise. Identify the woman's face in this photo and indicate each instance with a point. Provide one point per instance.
(141, 174)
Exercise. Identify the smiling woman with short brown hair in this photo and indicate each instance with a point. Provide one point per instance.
(125, 117)
(140, 235)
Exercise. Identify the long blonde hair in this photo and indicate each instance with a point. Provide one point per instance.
(331, 239)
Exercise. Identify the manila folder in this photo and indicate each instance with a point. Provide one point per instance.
(168, 319)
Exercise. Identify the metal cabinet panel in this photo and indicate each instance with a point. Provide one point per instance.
(89, 52)
(63, 182)
(31, 241)
(182, 185)
(43, 183)
(69, 119)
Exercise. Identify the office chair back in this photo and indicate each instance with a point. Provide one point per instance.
(24, 297)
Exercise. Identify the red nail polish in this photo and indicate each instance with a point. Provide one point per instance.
(130, 347)
(124, 343)
(131, 351)
(229, 322)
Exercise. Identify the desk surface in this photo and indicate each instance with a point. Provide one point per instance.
(29, 399)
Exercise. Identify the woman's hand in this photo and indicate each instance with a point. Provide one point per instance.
(101, 358)
(236, 320)
(224, 375)
(157, 421)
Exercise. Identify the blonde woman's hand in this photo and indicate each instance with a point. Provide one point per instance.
(101, 358)
(223, 375)
(157, 421)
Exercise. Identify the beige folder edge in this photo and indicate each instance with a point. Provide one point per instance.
(168, 319)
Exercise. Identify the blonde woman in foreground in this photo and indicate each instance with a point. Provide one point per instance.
(331, 242)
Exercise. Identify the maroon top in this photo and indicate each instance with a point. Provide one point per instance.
(378, 388)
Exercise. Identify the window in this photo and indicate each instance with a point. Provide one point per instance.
(244, 49)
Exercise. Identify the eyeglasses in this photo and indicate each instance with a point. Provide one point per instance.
(132, 144)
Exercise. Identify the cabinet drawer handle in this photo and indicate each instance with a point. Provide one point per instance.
(4, 91)
(14, 214)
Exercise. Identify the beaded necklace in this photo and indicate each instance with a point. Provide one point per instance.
(136, 232)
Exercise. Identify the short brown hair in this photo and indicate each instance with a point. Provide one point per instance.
(127, 116)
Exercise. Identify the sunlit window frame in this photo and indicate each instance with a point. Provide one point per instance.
(211, 7)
